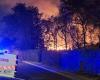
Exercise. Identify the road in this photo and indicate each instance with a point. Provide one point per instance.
(30, 72)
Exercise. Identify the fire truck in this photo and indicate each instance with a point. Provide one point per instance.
(8, 63)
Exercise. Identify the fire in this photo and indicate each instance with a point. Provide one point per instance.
(60, 43)
(91, 38)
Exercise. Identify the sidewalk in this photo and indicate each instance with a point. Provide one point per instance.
(61, 72)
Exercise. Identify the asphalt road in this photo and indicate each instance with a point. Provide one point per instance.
(30, 72)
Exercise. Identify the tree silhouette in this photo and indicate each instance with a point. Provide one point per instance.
(24, 25)
(64, 21)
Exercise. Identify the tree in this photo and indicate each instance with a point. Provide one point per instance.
(79, 8)
(24, 25)
(50, 31)
(95, 16)
(64, 21)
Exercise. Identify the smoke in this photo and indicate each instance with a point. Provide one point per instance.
(47, 7)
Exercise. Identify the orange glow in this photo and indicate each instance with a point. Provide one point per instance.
(60, 43)
(91, 38)
(47, 7)
(50, 8)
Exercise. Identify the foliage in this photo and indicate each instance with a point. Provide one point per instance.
(24, 26)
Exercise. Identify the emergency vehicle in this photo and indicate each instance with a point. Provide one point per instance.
(8, 63)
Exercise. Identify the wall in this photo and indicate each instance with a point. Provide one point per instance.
(71, 61)
(28, 55)
(74, 61)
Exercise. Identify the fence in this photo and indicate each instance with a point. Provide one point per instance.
(71, 61)
(28, 55)
(74, 61)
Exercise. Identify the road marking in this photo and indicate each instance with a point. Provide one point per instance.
(71, 76)
(19, 79)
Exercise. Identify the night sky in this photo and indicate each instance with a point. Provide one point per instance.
(48, 7)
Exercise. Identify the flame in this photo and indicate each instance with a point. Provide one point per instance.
(60, 43)
(92, 34)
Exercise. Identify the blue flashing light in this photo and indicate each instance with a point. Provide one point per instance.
(6, 43)
(4, 51)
